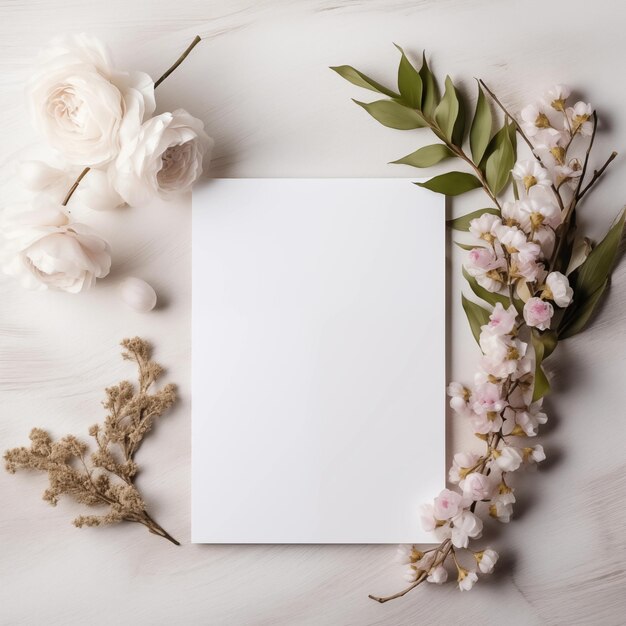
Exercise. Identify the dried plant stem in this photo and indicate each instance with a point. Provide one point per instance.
(75, 186)
(443, 549)
(104, 478)
(156, 529)
(597, 174)
(180, 59)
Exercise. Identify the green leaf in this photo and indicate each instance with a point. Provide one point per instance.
(427, 156)
(597, 266)
(452, 183)
(476, 316)
(484, 294)
(542, 385)
(393, 114)
(592, 278)
(572, 323)
(361, 80)
(430, 92)
(463, 223)
(580, 251)
(447, 110)
(466, 246)
(409, 82)
(480, 132)
(543, 345)
(500, 161)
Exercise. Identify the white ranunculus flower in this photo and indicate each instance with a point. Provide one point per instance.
(50, 252)
(164, 159)
(83, 106)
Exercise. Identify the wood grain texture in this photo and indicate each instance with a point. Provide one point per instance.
(261, 83)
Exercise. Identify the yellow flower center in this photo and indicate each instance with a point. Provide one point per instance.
(529, 181)
(542, 121)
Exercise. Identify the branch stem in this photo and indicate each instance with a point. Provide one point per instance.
(180, 59)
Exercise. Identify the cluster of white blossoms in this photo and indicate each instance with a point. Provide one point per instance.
(93, 116)
(512, 261)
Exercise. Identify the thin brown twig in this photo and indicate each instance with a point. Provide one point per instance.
(597, 174)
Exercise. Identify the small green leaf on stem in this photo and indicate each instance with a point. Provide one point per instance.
(476, 316)
(488, 296)
(393, 114)
(409, 82)
(447, 110)
(430, 91)
(480, 132)
(452, 183)
(361, 80)
(500, 161)
(463, 222)
(427, 156)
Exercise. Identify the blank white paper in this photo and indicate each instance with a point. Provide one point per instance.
(318, 385)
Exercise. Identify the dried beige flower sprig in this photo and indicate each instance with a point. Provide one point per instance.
(104, 478)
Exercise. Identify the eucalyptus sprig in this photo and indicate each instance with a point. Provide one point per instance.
(535, 280)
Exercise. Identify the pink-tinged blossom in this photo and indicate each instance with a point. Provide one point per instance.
(502, 321)
(538, 313)
(516, 242)
(501, 507)
(508, 459)
(466, 579)
(545, 238)
(486, 560)
(438, 575)
(536, 453)
(531, 173)
(465, 526)
(487, 398)
(524, 268)
(526, 420)
(534, 119)
(558, 289)
(556, 97)
(459, 397)
(461, 462)
(408, 553)
(411, 573)
(484, 227)
(579, 119)
(447, 504)
(501, 353)
(541, 212)
(427, 517)
(476, 486)
(484, 265)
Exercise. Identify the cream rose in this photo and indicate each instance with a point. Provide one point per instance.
(83, 107)
(164, 159)
(49, 252)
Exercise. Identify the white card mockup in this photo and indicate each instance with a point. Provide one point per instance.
(318, 385)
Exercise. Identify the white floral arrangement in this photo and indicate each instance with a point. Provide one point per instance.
(108, 150)
(537, 279)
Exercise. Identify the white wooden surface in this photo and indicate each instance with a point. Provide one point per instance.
(261, 83)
